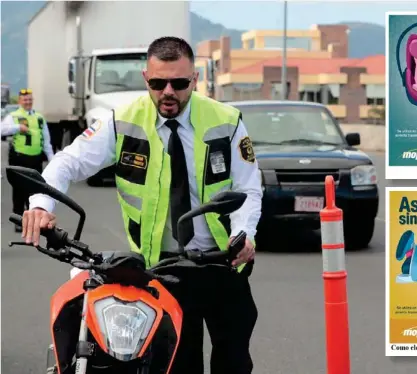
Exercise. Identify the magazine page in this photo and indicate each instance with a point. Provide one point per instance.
(401, 278)
(401, 90)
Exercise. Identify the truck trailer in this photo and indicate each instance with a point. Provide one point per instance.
(5, 95)
(86, 58)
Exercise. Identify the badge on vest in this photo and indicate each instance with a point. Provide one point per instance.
(134, 159)
(23, 121)
(246, 150)
(217, 162)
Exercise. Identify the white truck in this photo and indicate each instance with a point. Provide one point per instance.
(87, 57)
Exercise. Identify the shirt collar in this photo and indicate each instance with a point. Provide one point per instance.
(183, 118)
(30, 112)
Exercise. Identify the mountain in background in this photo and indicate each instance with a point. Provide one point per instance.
(365, 39)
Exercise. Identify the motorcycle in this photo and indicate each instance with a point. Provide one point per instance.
(116, 316)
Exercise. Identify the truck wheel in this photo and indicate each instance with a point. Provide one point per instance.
(66, 139)
(95, 181)
(358, 233)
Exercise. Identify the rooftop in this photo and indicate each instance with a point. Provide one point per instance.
(373, 64)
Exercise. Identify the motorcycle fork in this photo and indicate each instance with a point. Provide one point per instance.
(81, 363)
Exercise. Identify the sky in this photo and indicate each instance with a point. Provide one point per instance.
(247, 15)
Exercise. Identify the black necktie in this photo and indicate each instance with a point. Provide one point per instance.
(180, 190)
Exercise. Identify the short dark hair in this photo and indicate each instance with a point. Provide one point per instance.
(170, 48)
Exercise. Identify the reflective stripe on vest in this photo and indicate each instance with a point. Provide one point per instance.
(30, 144)
(143, 172)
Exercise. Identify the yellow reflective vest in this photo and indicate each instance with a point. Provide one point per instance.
(143, 171)
(31, 143)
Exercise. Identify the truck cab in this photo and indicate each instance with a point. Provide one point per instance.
(101, 82)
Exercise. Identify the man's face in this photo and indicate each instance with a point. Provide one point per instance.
(172, 97)
(26, 101)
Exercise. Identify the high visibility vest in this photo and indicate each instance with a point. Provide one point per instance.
(31, 143)
(143, 170)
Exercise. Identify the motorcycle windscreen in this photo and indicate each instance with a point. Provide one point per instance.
(411, 53)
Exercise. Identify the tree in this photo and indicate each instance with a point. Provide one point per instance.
(14, 99)
(377, 113)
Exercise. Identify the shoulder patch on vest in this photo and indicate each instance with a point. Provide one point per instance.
(134, 159)
(92, 130)
(246, 150)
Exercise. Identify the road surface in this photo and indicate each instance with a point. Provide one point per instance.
(288, 288)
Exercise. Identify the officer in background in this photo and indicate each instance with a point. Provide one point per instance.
(174, 149)
(30, 140)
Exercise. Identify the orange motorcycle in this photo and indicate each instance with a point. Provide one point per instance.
(116, 316)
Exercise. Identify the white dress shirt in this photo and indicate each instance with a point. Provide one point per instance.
(86, 156)
(9, 127)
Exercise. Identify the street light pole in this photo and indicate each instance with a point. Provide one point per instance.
(284, 56)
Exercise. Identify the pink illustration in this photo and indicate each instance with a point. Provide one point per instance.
(411, 59)
(413, 52)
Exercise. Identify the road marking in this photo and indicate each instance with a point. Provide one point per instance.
(380, 219)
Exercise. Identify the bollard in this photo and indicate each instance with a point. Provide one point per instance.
(335, 287)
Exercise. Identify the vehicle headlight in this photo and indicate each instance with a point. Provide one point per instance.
(363, 175)
(125, 326)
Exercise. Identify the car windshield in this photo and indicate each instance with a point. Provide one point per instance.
(290, 124)
(122, 72)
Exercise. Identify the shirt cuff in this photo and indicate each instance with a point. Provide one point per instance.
(42, 201)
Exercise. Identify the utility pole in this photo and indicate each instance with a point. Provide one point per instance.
(284, 56)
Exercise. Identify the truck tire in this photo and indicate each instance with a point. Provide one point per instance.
(66, 139)
(359, 232)
(95, 181)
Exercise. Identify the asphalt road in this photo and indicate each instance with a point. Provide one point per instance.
(288, 288)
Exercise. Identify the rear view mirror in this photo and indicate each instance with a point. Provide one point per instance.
(353, 138)
(34, 183)
(223, 203)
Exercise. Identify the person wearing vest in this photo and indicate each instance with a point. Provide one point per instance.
(174, 149)
(31, 140)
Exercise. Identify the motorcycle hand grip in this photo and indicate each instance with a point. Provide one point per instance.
(16, 219)
(55, 235)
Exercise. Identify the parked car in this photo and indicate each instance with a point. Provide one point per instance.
(5, 111)
(8, 109)
(297, 144)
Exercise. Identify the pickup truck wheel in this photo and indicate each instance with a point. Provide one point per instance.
(358, 232)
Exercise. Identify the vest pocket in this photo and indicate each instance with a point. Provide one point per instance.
(134, 160)
(134, 231)
(40, 122)
(218, 160)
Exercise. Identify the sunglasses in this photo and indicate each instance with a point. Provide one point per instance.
(178, 84)
(25, 92)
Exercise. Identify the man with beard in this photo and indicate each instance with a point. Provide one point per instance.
(173, 149)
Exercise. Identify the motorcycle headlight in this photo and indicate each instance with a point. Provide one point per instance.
(125, 326)
(363, 175)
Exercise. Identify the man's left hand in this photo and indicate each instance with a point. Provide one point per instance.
(245, 255)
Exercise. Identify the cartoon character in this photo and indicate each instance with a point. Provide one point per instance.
(409, 76)
(406, 249)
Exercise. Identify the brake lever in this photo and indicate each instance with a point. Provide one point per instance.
(11, 244)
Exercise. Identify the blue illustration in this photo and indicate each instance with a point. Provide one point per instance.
(406, 249)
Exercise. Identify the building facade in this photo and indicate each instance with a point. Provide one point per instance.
(318, 70)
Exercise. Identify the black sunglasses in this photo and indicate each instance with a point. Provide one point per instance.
(178, 84)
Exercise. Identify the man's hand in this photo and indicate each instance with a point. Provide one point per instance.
(23, 129)
(245, 255)
(33, 221)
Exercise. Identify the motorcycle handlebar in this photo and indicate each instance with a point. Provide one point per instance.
(56, 237)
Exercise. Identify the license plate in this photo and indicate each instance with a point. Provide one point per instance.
(308, 204)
